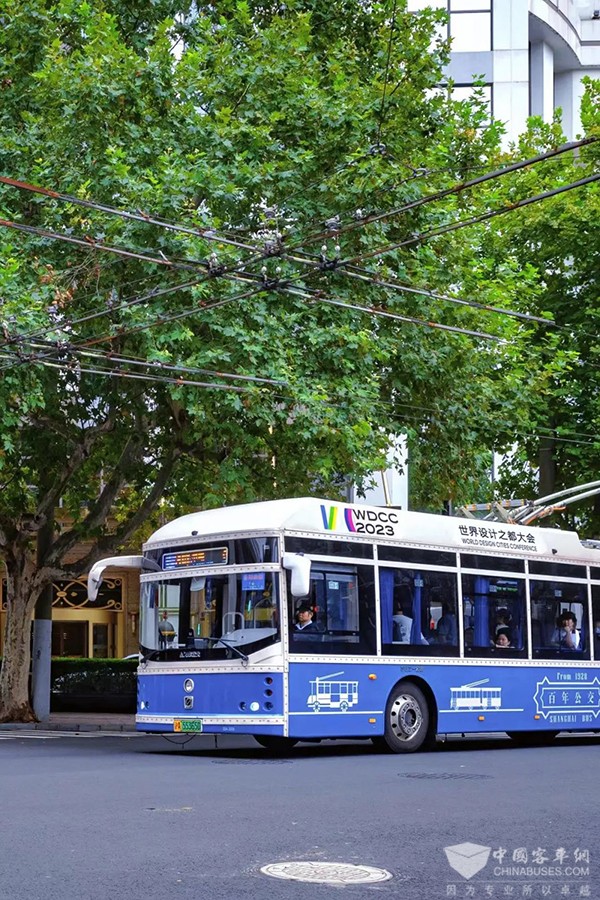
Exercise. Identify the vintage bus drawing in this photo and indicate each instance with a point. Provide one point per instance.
(474, 696)
(325, 693)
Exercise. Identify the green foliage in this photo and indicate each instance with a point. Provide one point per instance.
(271, 118)
(556, 436)
(93, 676)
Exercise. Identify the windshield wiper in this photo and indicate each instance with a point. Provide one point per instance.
(228, 645)
(154, 654)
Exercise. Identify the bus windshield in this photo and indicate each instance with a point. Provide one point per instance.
(187, 617)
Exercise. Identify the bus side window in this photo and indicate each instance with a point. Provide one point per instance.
(551, 601)
(343, 600)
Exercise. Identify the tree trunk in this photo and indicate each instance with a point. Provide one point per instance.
(22, 593)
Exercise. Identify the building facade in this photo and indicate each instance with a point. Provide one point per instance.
(531, 55)
(106, 627)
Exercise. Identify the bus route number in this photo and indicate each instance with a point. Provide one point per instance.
(194, 725)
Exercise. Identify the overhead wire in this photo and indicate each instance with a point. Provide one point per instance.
(64, 347)
(328, 402)
(147, 378)
(346, 263)
(164, 261)
(473, 220)
(161, 320)
(209, 234)
(459, 187)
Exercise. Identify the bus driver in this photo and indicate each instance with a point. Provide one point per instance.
(304, 619)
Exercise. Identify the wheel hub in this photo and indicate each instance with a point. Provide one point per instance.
(406, 718)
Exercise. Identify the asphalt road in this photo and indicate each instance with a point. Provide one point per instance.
(96, 816)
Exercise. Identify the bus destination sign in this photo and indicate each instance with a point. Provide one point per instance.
(187, 559)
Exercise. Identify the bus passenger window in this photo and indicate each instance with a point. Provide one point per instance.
(559, 619)
(418, 610)
(342, 604)
(494, 615)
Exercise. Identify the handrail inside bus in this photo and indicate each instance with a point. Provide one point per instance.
(231, 615)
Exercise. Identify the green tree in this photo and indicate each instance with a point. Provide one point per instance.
(251, 125)
(556, 445)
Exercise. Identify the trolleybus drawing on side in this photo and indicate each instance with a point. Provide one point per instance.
(474, 696)
(326, 693)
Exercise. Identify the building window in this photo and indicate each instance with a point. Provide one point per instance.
(471, 31)
(470, 5)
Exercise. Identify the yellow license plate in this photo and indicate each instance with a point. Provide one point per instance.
(194, 725)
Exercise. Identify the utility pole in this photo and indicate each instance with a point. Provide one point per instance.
(42, 635)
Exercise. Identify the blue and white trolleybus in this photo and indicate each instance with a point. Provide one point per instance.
(403, 642)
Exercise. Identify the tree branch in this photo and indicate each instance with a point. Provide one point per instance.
(75, 461)
(109, 543)
(101, 508)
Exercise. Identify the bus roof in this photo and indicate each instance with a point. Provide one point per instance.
(330, 517)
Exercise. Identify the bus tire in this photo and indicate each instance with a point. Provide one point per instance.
(274, 743)
(532, 738)
(406, 719)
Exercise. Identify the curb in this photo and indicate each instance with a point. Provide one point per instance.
(69, 728)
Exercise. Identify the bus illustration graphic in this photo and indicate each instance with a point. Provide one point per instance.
(475, 696)
(325, 693)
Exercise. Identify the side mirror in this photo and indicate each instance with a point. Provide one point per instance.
(122, 562)
(299, 566)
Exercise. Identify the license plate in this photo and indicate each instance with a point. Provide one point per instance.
(187, 725)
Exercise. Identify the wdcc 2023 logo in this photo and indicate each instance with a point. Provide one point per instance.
(360, 520)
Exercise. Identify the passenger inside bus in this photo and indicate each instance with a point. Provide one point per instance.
(447, 631)
(503, 640)
(402, 625)
(566, 635)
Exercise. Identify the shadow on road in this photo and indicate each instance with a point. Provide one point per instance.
(219, 751)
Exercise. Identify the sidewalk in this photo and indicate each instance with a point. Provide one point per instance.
(73, 722)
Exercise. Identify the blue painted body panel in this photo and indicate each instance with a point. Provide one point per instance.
(469, 698)
(348, 699)
(226, 695)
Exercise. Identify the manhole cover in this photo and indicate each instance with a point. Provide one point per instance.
(326, 872)
(442, 775)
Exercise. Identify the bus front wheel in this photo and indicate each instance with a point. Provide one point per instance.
(406, 719)
(274, 743)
